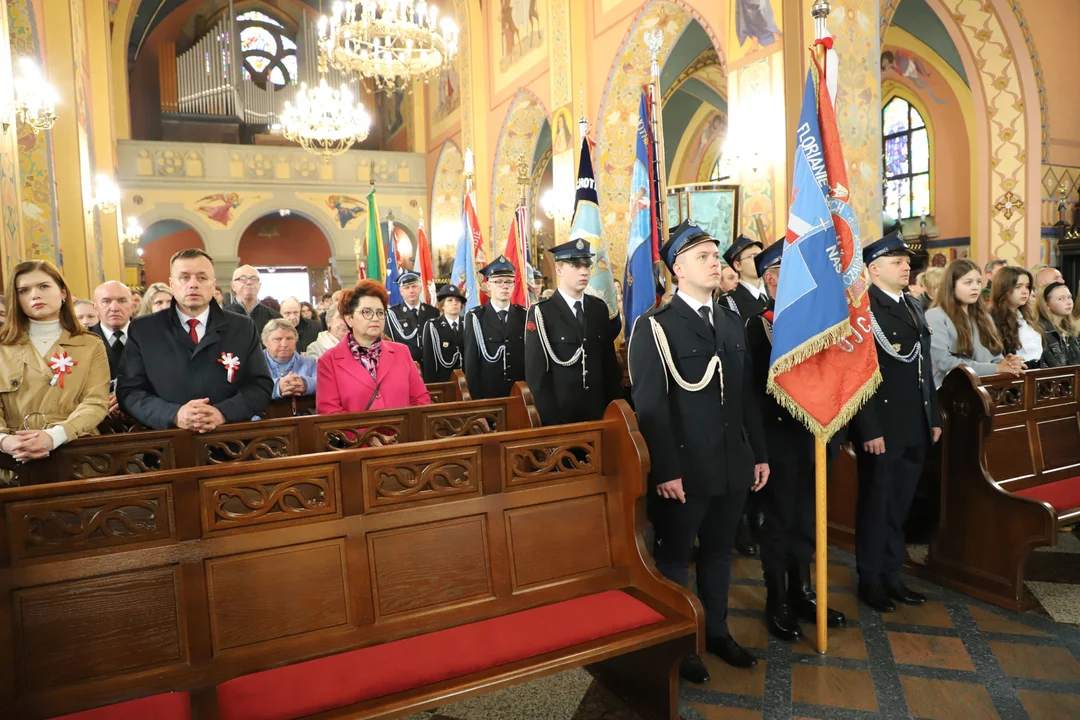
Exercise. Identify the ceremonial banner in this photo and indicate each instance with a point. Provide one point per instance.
(392, 265)
(466, 262)
(517, 253)
(424, 266)
(639, 285)
(375, 267)
(815, 372)
(587, 226)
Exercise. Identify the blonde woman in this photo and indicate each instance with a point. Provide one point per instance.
(1060, 328)
(157, 297)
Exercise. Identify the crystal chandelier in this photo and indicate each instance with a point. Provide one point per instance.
(325, 121)
(394, 42)
(35, 100)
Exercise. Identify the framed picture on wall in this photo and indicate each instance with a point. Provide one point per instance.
(713, 206)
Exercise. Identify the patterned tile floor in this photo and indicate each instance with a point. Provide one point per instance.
(951, 659)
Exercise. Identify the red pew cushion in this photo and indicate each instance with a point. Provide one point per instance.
(168, 706)
(1062, 495)
(330, 682)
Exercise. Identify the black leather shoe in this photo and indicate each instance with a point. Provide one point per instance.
(778, 617)
(874, 595)
(730, 651)
(744, 539)
(691, 669)
(897, 590)
(803, 600)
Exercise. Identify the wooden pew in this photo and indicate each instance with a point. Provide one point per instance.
(105, 455)
(454, 390)
(1010, 478)
(196, 580)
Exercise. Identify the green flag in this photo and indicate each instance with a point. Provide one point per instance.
(376, 249)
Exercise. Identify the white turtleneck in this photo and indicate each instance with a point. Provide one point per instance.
(44, 334)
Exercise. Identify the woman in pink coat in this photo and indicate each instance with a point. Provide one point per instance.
(365, 371)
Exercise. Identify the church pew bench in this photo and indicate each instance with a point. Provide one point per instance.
(105, 455)
(1010, 478)
(372, 583)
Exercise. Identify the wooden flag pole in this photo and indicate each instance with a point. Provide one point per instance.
(820, 473)
(820, 12)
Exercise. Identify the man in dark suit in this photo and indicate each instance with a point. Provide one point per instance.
(749, 299)
(114, 306)
(787, 502)
(570, 361)
(493, 344)
(245, 286)
(690, 372)
(193, 366)
(895, 429)
(405, 321)
(307, 331)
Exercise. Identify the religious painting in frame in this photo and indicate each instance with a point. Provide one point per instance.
(713, 206)
(755, 30)
(518, 38)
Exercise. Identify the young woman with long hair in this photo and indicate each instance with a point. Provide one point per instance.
(1014, 316)
(157, 297)
(54, 375)
(1060, 328)
(963, 332)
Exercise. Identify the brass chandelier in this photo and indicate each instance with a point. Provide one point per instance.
(394, 42)
(325, 121)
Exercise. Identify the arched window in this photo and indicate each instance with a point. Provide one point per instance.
(269, 55)
(906, 149)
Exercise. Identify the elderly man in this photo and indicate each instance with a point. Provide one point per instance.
(193, 366)
(1044, 275)
(112, 300)
(293, 374)
(331, 337)
(306, 330)
(245, 286)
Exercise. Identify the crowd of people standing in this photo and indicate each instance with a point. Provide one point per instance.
(730, 466)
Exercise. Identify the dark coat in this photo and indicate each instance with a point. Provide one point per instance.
(260, 315)
(441, 343)
(307, 332)
(411, 327)
(163, 369)
(580, 392)
(1061, 349)
(493, 380)
(782, 430)
(905, 407)
(114, 351)
(710, 440)
(748, 305)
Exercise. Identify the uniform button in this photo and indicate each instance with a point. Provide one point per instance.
(886, 400)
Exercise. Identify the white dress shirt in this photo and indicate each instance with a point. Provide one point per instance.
(572, 303)
(200, 329)
(123, 341)
(756, 290)
(696, 306)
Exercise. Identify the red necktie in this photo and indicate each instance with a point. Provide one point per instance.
(192, 324)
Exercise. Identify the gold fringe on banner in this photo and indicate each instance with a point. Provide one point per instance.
(809, 348)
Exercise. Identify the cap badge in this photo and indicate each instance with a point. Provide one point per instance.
(580, 245)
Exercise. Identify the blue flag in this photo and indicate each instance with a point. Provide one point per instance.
(811, 311)
(463, 273)
(392, 264)
(639, 289)
(587, 225)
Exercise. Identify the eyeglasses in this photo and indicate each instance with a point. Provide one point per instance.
(246, 279)
(501, 283)
(368, 313)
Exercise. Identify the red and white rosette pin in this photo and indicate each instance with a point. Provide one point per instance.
(61, 364)
(231, 363)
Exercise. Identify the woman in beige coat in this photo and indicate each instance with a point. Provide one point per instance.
(54, 376)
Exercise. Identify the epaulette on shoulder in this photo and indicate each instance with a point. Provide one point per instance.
(656, 310)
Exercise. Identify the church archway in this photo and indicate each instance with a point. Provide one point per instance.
(289, 243)
(159, 242)
(522, 128)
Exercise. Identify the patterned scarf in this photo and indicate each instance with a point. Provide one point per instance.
(368, 357)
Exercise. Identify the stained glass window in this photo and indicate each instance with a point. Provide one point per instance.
(906, 156)
(269, 56)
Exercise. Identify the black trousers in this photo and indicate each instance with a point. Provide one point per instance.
(887, 485)
(711, 520)
(787, 537)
